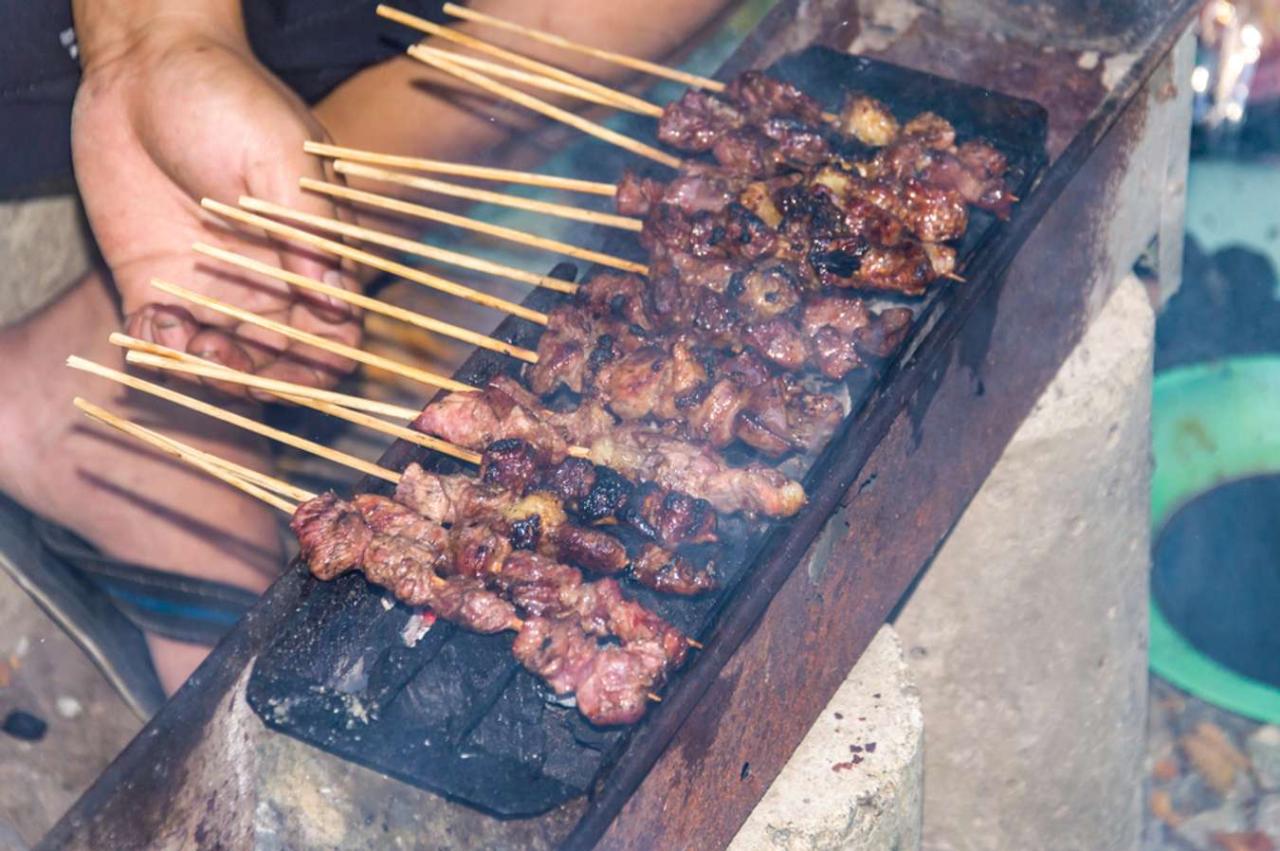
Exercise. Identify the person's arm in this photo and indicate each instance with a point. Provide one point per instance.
(173, 107)
(385, 108)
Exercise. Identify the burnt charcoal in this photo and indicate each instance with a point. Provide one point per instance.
(513, 727)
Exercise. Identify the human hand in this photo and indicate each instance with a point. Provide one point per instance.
(175, 111)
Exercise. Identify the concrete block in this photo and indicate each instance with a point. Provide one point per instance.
(855, 781)
(1027, 634)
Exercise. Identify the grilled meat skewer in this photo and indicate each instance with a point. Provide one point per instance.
(411, 556)
(635, 452)
(536, 521)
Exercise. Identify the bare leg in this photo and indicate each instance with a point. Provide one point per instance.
(130, 502)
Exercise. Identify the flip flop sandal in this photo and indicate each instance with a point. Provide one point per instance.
(105, 604)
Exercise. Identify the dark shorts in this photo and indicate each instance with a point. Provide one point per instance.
(313, 45)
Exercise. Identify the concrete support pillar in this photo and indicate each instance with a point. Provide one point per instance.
(1027, 634)
(855, 782)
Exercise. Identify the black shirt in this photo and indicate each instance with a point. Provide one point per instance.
(313, 45)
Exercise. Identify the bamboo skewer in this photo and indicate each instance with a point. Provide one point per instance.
(549, 84)
(631, 62)
(537, 105)
(510, 234)
(289, 393)
(408, 246)
(208, 369)
(246, 423)
(501, 175)
(371, 304)
(611, 96)
(176, 448)
(550, 208)
(374, 261)
(158, 441)
(282, 389)
(340, 349)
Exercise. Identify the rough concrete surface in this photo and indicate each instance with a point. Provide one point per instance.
(43, 673)
(855, 781)
(1027, 635)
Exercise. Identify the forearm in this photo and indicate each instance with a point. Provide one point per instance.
(105, 29)
(386, 108)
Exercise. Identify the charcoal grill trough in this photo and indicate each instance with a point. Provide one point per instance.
(453, 714)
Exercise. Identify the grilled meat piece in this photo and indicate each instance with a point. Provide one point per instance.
(505, 410)
(698, 471)
(668, 573)
(760, 97)
(671, 517)
(974, 171)
(332, 535)
(616, 684)
(558, 651)
(695, 121)
(868, 120)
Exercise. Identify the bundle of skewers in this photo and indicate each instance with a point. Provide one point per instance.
(770, 241)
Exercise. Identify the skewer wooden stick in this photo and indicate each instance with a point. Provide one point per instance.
(510, 234)
(290, 392)
(373, 261)
(501, 175)
(176, 448)
(408, 246)
(632, 62)
(538, 81)
(217, 372)
(211, 370)
(537, 105)
(157, 441)
(246, 423)
(612, 96)
(550, 208)
(625, 61)
(371, 304)
(340, 349)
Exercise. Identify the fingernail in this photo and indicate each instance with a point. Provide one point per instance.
(335, 279)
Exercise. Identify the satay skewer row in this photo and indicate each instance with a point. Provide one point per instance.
(419, 211)
(515, 202)
(214, 371)
(618, 99)
(407, 246)
(549, 110)
(476, 172)
(341, 349)
(232, 474)
(373, 261)
(247, 423)
(373, 305)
